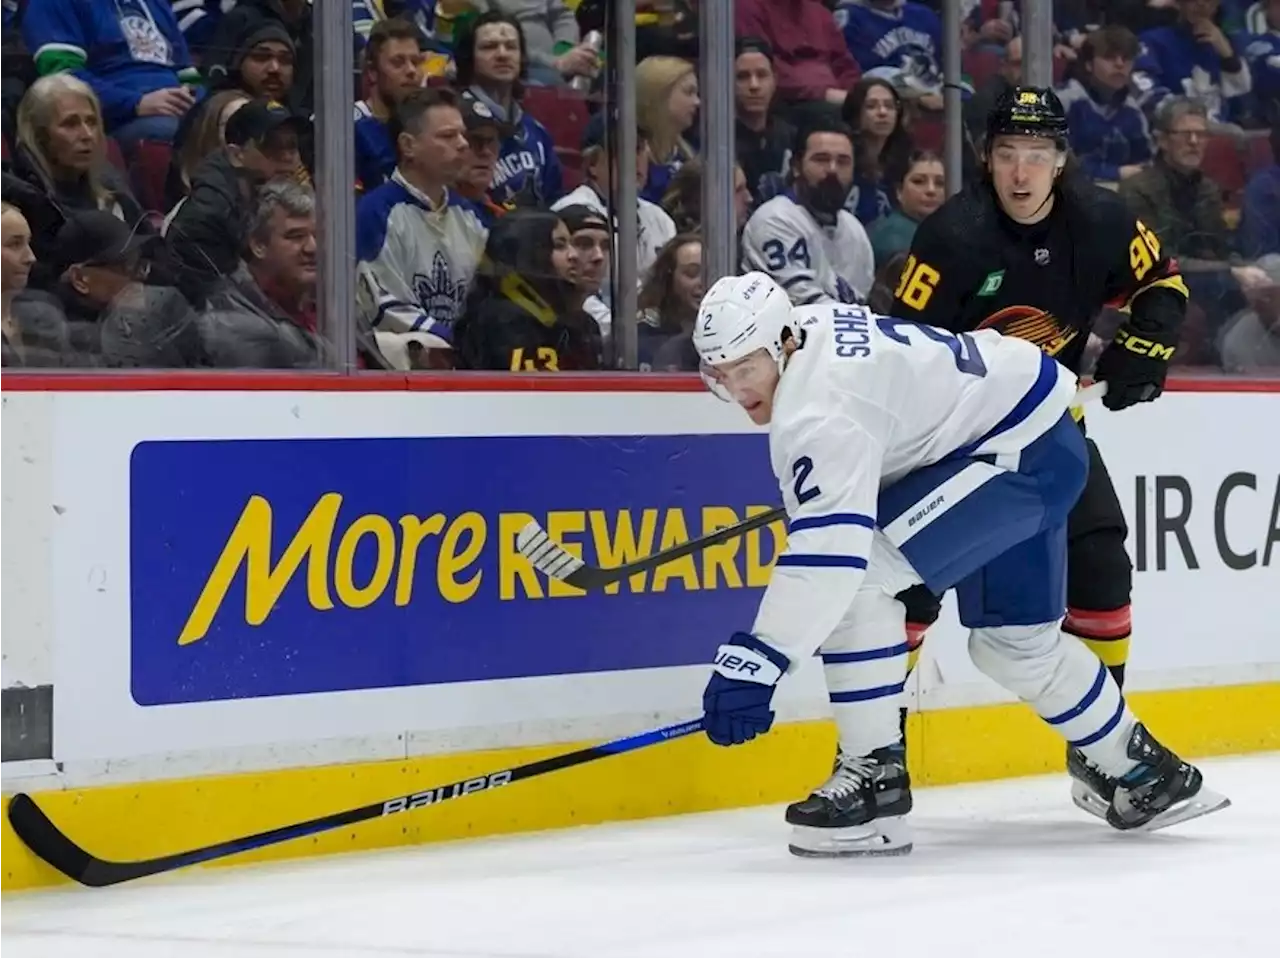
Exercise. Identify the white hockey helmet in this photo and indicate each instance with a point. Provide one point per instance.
(739, 315)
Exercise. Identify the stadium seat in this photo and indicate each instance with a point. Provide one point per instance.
(149, 170)
(563, 112)
(115, 156)
(1259, 154)
(571, 164)
(928, 133)
(980, 66)
(1224, 165)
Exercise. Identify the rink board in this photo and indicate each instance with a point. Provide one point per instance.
(259, 605)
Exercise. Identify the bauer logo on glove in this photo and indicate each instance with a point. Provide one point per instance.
(738, 698)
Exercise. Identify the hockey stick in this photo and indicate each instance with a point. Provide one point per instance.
(48, 842)
(553, 560)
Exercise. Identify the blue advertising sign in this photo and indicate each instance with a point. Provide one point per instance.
(286, 567)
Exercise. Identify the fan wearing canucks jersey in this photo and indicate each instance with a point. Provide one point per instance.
(895, 37)
(491, 62)
(907, 454)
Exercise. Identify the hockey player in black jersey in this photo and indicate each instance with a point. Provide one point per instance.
(1036, 251)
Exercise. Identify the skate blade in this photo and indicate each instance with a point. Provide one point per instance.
(1086, 799)
(881, 838)
(1204, 802)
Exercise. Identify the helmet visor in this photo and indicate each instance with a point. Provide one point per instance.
(750, 377)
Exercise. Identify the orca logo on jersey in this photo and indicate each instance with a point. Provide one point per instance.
(1034, 325)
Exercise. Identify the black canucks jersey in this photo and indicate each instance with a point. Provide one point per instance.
(971, 267)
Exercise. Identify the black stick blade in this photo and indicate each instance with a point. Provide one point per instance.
(44, 838)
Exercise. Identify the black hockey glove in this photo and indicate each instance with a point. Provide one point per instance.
(1134, 368)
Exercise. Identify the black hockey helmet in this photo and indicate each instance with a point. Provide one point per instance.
(1028, 111)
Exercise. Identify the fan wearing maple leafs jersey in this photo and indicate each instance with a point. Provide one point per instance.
(1035, 252)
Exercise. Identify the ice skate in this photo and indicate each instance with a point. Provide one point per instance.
(1091, 788)
(859, 811)
(1162, 790)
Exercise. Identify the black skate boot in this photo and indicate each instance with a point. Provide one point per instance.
(1162, 790)
(1091, 788)
(859, 810)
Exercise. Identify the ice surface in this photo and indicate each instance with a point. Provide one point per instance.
(1002, 869)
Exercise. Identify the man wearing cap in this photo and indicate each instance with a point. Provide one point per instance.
(485, 133)
(207, 232)
(263, 64)
(592, 240)
(600, 170)
(112, 318)
(392, 70)
(130, 51)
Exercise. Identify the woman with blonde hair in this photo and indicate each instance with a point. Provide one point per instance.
(60, 164)
(33, 337)
(666, 106)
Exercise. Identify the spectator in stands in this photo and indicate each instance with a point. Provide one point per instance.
(206, 235)
(262, 65)
(198, 21)
(391, 72)
(601, 172)
(246, 20)
(683, 199)
(763, 138)
(664, 28)
(881, 146)
(438, 23)
(668, 305)
(113, 319)
(977, 107)
(491, 62)
(130, 51)
(26, 341)
(920, 190)
(813, 63)
(551, 37)
(59, 164)
(1194, 58)
(806, 238)
(593, 243)
(667, 106)
(418, 242)
(1260, 216)
(900, 41)
(485, 133)
(1108, 130)
(263, 314)
(204, 139)
(1261, 48)
(519, 313)
(1184, 208)
(1251, 340)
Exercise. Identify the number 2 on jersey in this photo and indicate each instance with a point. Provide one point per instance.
(801, 469)
(963, 347)
(917, 283)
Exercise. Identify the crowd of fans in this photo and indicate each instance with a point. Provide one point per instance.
(159, 156)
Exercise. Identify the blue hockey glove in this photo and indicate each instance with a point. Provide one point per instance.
(736, 702)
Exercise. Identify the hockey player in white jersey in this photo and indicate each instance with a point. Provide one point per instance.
(804, 238)
(907, 454)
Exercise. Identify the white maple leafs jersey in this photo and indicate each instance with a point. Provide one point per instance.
(416, 262)
(865, 401)
(813, 263)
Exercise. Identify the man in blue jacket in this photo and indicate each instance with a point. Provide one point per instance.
(130, 51)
